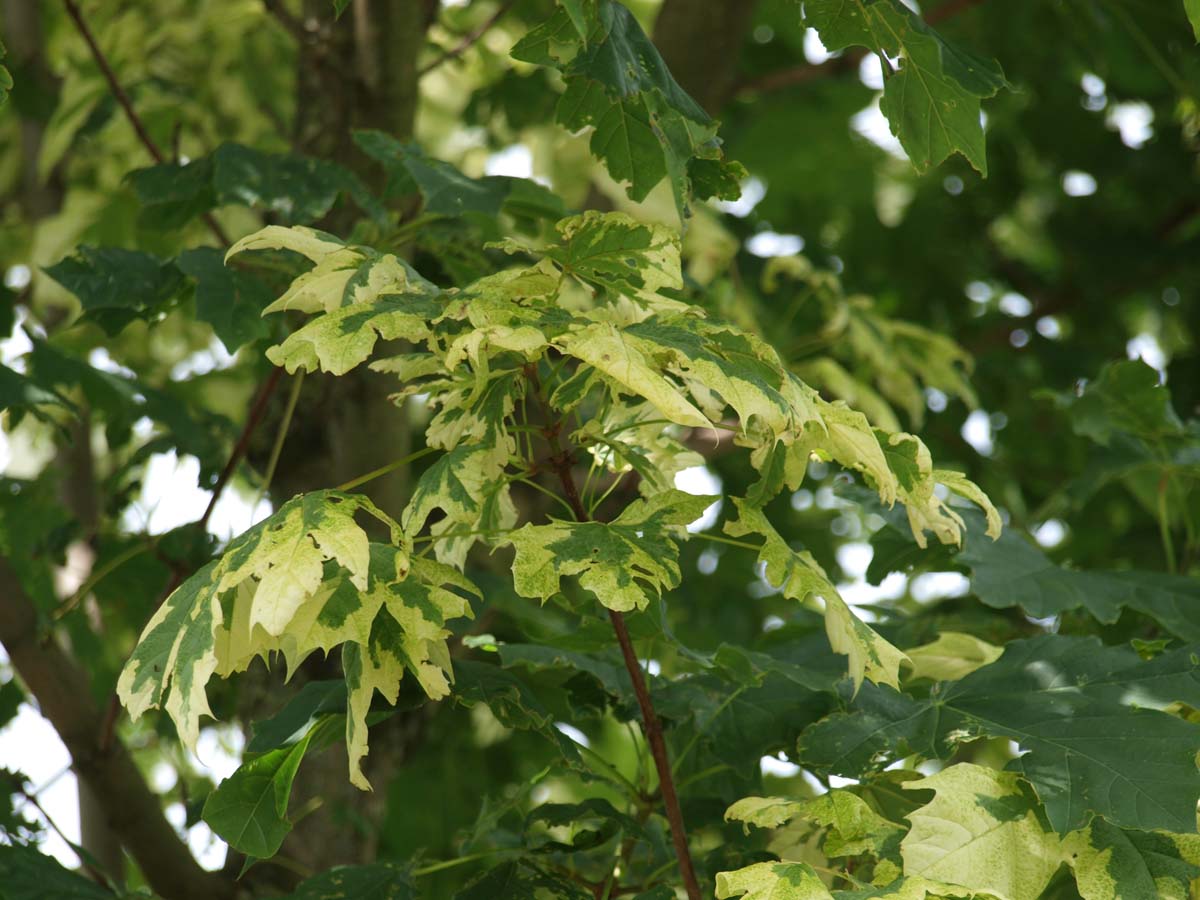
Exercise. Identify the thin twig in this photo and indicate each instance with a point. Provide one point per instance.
(467, 42)
(561, 460)
(289, 22)
(280, 437)
(122, 98)
(95, 874)
(257, 410)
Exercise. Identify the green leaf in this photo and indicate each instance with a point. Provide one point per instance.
(773, 881)
(519, 880)
(116, 286)
(1126, 397)
(249, 808)
(510, 699)
(623, 563)
(799, 576)
(1090, 718)
(1111, 863)
(951, 656)
(6, 81)
(646, 126)
(20, 394)
(446, 191)
(932, 100)
(289, 187)
(1193, 13)
(285, 727)
(1014, 571)
(980, 831)
(229, 300)
(378, 881)
(26, 874)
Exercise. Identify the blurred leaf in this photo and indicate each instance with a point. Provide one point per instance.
(518, 881)
(26, 874)
(292, 187)
(379, 881)
(116, 285)
(446, 191)
(1126, 397)
(228, 299)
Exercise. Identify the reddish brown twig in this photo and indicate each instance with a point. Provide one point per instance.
(122, 98)
(257, 410)
(561, 460)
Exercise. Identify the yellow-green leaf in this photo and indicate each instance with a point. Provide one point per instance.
(798, 575)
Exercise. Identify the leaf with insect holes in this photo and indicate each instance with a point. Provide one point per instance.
(931, 96)
(646, 127)
(798, 576)
(623, 563)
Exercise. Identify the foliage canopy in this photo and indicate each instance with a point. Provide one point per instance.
(752, 504)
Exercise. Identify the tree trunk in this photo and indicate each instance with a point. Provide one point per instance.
(360, 72)
(701, 41)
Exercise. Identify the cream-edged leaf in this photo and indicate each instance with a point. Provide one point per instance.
(1112, 863)
(310, 242)
(981, 831)
(613, 352)
(623, 562)
(338, 341)
(952, 656)
(798, 575)
(773, 881)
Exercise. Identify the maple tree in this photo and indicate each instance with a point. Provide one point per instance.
(475, 407)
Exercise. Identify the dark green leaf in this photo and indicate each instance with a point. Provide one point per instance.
(372, 882)
(296, 717)
(228, 299)
(249, 808)
(26, 874)
(1088, 716)
(116, 285)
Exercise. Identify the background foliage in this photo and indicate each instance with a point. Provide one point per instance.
(1040, 737)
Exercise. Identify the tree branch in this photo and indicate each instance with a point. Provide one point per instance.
(126, 104)
(133, 811)
(257, 410)
(467, 42)
(561, 460)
